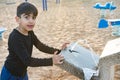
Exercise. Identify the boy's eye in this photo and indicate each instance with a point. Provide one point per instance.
(27, 17)
(34, 17)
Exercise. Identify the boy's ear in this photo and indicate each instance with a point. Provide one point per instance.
(17, 19)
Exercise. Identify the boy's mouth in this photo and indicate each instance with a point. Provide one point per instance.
(30, 26)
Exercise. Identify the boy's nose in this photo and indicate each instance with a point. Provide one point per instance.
(31, 20)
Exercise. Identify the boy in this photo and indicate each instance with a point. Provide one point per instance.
(20, 45)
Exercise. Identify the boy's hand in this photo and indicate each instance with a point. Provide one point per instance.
(57, 59)
(65, 45)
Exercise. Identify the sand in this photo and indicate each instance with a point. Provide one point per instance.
(65, 22)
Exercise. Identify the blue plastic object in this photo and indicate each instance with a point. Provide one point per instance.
(115, 23)
(99, 6)
(108, 5)
(103, 23)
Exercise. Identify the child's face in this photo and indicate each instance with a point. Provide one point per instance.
(26, 22)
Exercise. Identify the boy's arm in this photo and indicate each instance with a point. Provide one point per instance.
(56, 59)
(18, 47)
(42, 47)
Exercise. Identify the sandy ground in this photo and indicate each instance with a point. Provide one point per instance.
(65, 22)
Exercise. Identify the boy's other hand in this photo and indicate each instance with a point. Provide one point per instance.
(65, 45)
(57, 58)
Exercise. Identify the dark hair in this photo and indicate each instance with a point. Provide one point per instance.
(26, 8)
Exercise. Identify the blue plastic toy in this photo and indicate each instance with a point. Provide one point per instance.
(108, 5)
(115, 23)
(103, 23)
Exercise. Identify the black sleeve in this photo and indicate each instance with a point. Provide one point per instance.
(18, 47)
(42, 47)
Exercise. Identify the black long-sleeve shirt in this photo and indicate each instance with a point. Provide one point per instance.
(20, 51)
